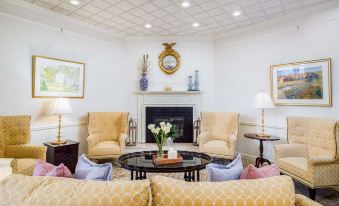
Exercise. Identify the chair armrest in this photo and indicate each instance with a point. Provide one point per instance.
(290, 150)
(321, 158)
(91, 141)
(301, 200)
(203, 139)
(122, 142)
(26, 151)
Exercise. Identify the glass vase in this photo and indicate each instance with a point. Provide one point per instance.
(160, 152)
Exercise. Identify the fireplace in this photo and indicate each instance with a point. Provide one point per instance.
(182, 117)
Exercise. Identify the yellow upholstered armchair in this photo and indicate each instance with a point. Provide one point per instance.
(14, 143)
(311, 155)
(219, 132)
(107, 134)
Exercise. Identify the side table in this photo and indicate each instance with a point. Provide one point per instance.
(64, 153)
(259, 161)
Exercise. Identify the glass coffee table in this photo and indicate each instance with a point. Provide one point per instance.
(141, 163)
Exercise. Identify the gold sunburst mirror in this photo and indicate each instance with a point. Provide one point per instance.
(169, 59)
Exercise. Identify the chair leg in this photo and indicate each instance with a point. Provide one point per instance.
(312, 192)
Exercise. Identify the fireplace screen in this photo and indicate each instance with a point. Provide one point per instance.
(181, 117)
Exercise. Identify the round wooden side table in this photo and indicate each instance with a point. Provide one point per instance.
(259, 161)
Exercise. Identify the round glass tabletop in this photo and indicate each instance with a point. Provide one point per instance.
(142, 161)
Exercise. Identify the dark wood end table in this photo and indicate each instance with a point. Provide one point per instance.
(259, 161)
(64, 153)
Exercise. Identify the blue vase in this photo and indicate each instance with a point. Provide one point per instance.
(143, 82)
(190, 83)
(196, 80)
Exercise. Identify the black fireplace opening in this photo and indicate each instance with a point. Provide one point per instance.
(181, 117)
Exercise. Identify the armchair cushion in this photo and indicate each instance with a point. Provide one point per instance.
(217, 147)
(106, 148)
(295, 165)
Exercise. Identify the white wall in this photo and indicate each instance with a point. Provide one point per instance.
(106, 86)
(242, 70)
(195, 55)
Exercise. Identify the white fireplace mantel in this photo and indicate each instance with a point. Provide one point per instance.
(165, 99)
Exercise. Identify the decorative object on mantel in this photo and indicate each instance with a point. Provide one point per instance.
(263, 101)
(161, 134)
(169, 59)
(190, 84)
(132, 133)
(168, 88)
(196, 80)
(144, 68)
(57, 78)
(196, 131)
(59, 107)
(305, 83)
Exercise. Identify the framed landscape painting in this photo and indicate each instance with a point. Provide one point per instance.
(302, 83)
(57, 78)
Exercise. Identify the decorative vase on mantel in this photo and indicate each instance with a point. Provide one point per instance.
(143, 82)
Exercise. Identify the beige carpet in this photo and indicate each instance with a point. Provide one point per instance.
(326, 197)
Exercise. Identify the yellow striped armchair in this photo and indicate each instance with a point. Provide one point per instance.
(14, 143)
(311, 155)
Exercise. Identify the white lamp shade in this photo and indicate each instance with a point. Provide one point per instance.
(60, 106)
(263, 101)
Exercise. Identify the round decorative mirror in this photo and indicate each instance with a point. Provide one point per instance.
(169, 59)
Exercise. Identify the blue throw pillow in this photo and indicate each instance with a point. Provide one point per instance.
(88, 170)
(232, 171)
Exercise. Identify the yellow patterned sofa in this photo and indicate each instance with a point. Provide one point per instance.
(219, 133)
(107, 134)
(14, 144)
(311, 155)
(162, 191)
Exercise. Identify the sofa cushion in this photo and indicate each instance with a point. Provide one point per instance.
(251, 172)
(43, 168)
(24, 166)
(232, 171)
(106, 148)
(88, 170)
(268, 191)
(55, 191)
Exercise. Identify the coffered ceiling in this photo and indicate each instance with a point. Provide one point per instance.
(169, 18)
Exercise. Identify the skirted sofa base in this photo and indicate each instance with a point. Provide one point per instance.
(159, 191)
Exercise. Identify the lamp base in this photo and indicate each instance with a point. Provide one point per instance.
(58, 142)
(263, 135)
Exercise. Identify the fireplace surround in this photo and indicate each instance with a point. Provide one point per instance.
(182, 117)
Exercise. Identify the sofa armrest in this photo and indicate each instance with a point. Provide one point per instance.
(26, 151)
(301, 200)
(290, 150)
(92, 140)
(203, 139)
(122, 142)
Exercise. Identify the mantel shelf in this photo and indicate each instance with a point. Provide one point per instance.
(169, 92)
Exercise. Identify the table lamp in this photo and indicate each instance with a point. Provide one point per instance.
(263, 101)
(59, 106)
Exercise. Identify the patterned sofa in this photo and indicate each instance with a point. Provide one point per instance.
(27, 190)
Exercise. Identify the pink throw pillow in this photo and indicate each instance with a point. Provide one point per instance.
(43, 168)
(251, 172)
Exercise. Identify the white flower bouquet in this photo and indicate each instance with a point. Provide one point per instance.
(161, 134)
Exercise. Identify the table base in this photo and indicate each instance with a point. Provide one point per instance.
(190, 176)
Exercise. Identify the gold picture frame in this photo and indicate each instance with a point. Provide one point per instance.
(305, 83)
(69, 84)
(169, 59)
